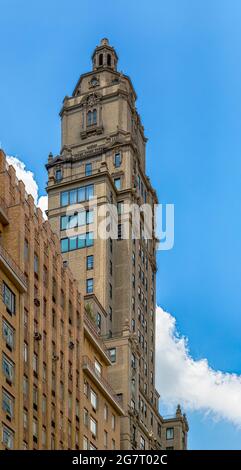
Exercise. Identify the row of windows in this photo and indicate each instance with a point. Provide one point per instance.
(91, 119)
(68, 222)
(83, 193)
(74, 243)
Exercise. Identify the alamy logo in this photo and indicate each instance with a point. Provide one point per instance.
(152, 224)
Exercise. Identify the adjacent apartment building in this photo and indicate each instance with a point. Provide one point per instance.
(102, 166)
(54, 387)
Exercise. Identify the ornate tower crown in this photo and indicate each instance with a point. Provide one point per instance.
(104, 56)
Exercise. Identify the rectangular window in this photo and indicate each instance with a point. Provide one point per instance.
(89, 285)
(119, 232)
(89, 239)
(112, 354)
(9, 298)
(64, 222)
(117, 183)
(93, 426)
(44, 437)
(7, 403)
(25, 419)
(26, 250)
(81, 194)
(89, 217)
(25, 352)
(64, 245)
(106, 413)
(35, 428)
(86, 417)
(98, 321)
(73, 196)
(105, 439)
(117, 160)
(7, 437)
(73, 221)
(58, 175)
(88, 169)
(72, 243)
(81, 240)
(8, 368)
(120, 207)
(25, 386)
(8, 334)
(81, 218)
(85, 443)
(98, 368)
(93, 399)
(170, 433)
(35, 362)
(90, 262)
(113, 422)
(64, 198)
(142, 443)
(89, 192)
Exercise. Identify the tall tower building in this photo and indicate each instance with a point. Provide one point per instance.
(101, 162)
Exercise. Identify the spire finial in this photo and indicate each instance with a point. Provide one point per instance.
(104, 56)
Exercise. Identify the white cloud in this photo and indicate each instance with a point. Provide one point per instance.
(28, 179)
(193, 383)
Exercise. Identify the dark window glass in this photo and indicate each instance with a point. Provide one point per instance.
(90, 262)
(8, 298)
(94, 117)
(89, 118)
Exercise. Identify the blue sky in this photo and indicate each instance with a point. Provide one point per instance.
(184, 58)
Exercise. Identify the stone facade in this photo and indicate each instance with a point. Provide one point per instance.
(101, 162)
(54, 365)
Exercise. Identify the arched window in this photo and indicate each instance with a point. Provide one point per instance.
(109, 60)
(94, 117)
(101, 59)
(89, 118)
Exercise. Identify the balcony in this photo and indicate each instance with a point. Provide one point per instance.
(92, 333)
(101, 383)
(12, 271)
(3, 212)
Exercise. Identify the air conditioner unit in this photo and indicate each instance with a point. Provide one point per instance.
(55, 357)
(37, 336)
(65, 264)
